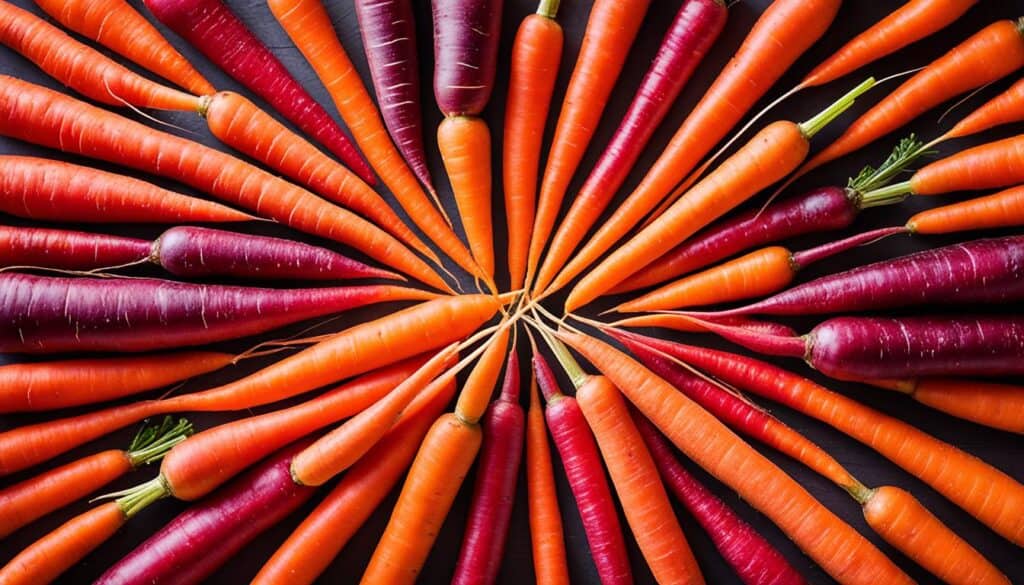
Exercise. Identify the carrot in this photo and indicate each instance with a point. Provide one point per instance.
(309, 26)
(686, 324)
(988, 494)
(83, 68)
(120, 28)
(611, 29)
(758, 273)
(536, 54)
(1005, 108)
(989, 55)
(1000, 406)
(1003, 209)
(356, 350)
(465, 143)
(40, 386)
(38, 188)
(835, 546)
(550, 566)
(313, 545)
(770, 155)
(783, 32)
(33, 498)
(42, 116)
(915, 20)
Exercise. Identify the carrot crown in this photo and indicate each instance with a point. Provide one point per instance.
(823, 118)
(548, 8)
(871, 179)
(152, 442)
(135, 499)
(569, 364)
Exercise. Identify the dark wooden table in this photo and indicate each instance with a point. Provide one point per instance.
(1004, 450)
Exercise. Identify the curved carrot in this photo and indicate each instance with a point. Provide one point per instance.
(1005, 108)
(1000, 406)
(465, 143)
(81, 67)
(611, 29)
(42, 116)
(120, 28)
(1003, 209)
(309, 27)
(479, 386)
(536, 53)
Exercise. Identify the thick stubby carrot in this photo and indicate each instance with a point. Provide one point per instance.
(611, 29)
(911, 22)
(989, 55)
(985, 492)
(1000, 406)
(40, 386)
(1002, 209)
(39, 188)
(235, 120)
(356, 350)
(42, 116)
(465, 144)
(842, 552)
(783, 32)
(536, 54)
(1005, 108)
(311, 548)
(120, 28)
(81, 67)
(637, 483)
(309, 26)
(550, 566)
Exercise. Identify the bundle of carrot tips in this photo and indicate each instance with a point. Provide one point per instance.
(661, 304)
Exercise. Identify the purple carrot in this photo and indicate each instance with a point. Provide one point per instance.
(466, 36)
(211, 27)
(982, 271)
(483, 543)
(585, 472)
(820, 210)
(44, 314)
(205, 536)
(754, 559)
(389, 40)
(71, 250)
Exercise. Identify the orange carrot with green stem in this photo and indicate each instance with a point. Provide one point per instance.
(769, 156)
(783, 33)
(536, 54)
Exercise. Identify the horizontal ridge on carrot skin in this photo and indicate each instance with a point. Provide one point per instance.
(42, 116)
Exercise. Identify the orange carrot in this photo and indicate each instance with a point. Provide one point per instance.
(42, 116)
(834, 545)
(536, 53)
(309, 27)
(465, 143)
(1000, 406)
(1005, 108)
(119, 27)
(783, 33)
(476, 394)
(611, 29)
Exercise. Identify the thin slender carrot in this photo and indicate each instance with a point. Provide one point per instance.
(834, 545)
(611, 29)
(1000, 406)
(81, 67)
(1003, 209)
(309, 26)
(536, 54)
(42, 116)
(684, 323)
(550, 566)
(783, 32)
(465, 143)
(119, 27)
(1005, 108)
(476, 394)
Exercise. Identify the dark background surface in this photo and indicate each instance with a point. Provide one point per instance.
(1003, 450)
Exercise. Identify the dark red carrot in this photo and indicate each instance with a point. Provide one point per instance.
(585, 472)
(211, 27)
(466, 36)
(389, 40)
(201, 539)
(982, 271)
(54, 248)
(483, 543)
(753, 558)
(47, 314)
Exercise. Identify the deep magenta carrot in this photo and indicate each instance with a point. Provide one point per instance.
(72, 250)
(211, 27)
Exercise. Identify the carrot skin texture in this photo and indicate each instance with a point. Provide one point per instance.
(464, 65)
(987, 166)
(1002, 209)
(465, 144)
(132, 37)
(1005, 108)
(211, 27)
(999, 406)
(38, 188)
(688, 325)
(818, 210)
(33, 387)
(536, 54)
(494, 491)
(65, 314)
(693, 32)
(202, 538)
(753, 558)
(70, 250)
